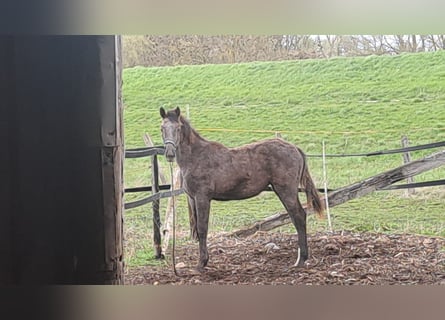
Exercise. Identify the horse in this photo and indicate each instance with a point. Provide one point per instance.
(212, 171)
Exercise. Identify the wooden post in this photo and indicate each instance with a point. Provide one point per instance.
(149, 143)
(172, 201)
(325, 184)
(61, 160)
(406, 159)
(155, 206)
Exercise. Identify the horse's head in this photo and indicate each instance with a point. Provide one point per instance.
(171, 131)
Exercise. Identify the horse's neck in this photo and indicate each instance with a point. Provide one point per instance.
(192, 145)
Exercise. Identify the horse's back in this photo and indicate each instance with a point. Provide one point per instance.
(273, 149)
(271, 157)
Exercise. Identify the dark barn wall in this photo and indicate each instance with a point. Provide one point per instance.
(61, 160)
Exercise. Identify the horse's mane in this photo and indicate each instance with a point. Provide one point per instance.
(188, 131)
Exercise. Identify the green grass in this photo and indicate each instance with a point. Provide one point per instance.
(355, 105)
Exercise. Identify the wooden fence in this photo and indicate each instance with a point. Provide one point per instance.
(382, 181)
(155, 188)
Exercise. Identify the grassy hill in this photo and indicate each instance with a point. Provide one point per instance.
(352, 104)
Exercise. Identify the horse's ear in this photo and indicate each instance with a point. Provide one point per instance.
(162, 112)
(178, 111)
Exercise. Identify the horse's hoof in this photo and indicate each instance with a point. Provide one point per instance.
(301, 260)
(200, 269)
(160, 256)
(194, 235)
(300, 265)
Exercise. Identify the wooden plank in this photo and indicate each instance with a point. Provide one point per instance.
(355, 190)
(156, 196)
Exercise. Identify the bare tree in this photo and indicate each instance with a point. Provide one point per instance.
(168, 50)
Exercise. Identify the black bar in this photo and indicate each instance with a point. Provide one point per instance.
(146, 188)
(161, 195)
(168, 187)
(407, 149)
(377, 153)
(269, 188)
(415, 185)
(143, 152)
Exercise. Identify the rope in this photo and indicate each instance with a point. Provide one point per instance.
(173, 223)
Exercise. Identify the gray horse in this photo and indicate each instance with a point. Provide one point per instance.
(211, 171)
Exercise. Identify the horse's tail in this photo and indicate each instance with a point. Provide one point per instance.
(312, 195)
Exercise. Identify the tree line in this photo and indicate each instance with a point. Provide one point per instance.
(171, 50)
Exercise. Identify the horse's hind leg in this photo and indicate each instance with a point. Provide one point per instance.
(192, 218)
(289, 198)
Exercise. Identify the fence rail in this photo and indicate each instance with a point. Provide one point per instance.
(159, 150)
(383, 152)
(416, 185)
(384, 182)
(144, 152)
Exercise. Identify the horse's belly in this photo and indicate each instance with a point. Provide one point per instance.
(239, 191)
(226, 187)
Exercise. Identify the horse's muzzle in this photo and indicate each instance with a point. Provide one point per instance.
(170, 152)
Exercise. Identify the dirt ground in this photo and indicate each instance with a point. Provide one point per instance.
(341, 258)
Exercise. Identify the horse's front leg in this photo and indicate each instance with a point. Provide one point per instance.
(192, 218)
(202, 205)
